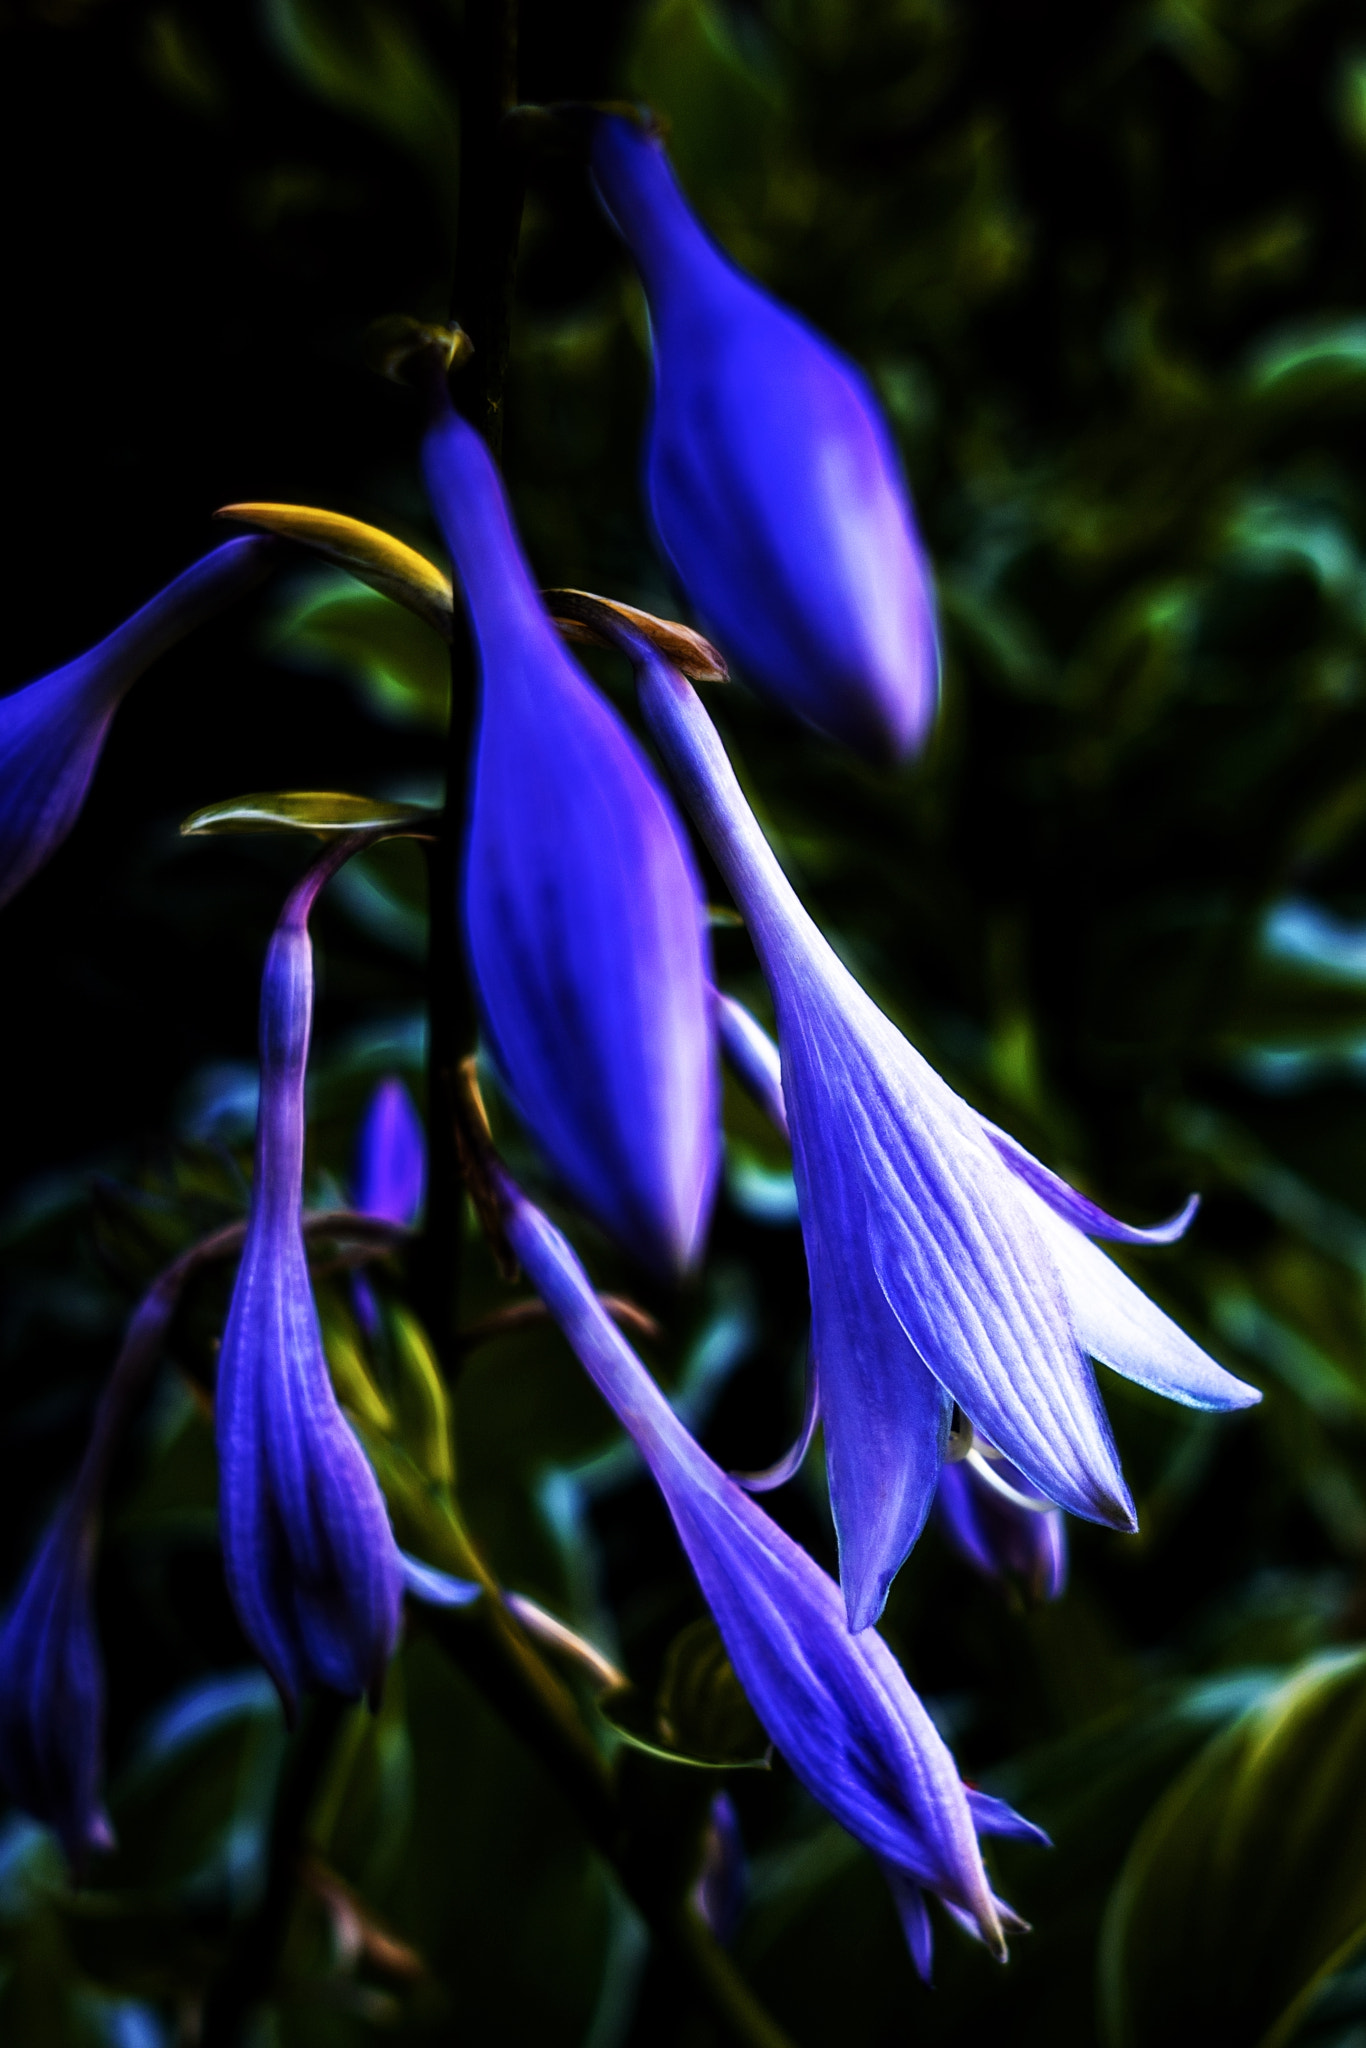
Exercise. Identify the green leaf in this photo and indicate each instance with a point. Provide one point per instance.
(700, 1716)
(399, 664)
(1247, 1884)
(319, 811)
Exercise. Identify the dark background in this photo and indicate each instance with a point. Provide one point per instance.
(1104, 264)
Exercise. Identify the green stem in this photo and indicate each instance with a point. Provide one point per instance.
(251, 1971)
(486, 255)
(509, 1672)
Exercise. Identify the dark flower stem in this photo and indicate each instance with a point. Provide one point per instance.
(250, 1972)
(481, 302)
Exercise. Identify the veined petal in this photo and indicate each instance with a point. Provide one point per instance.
(837, 1706)
(923, 1246)
(310, 1559)
(1079, 1209)
(1117, 1324)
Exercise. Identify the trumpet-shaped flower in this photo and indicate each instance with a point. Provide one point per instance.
(946, 1265)
(311, 1562)
(837, 1706)
(771, 476)
(1000, 1526)
(52, 1691)
(583, 909)
(52, 731)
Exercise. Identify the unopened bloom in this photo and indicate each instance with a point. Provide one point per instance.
(946, 1265)
(391, 1156)
(52, 731)
(837, 1706)
(994, 1520)
(773, 484)
(311, 1562)
(52, 1690)
(583, 910)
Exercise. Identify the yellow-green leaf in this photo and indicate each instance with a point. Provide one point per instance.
(319, 811)
(1246, 1885)
(366, 552)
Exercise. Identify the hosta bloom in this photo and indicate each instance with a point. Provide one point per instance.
(310, 1559)
(52, 1691)
(837, 1706)
(52, 731)
(583, 910)
(772, 480)
(391, 1155)
(993, 1519)
(946, 1265)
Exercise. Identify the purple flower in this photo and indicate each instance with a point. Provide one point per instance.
(391, 1155)
(583, 910)
(51, 731)
(52, 1690)
(772, 480)
(723, 1880)
(837, 1706)
(310, 1558)
(946, 1265)
(994, 1519)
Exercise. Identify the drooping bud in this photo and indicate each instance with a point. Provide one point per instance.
(837, 1706)
(311, 1562)
(391, 1155)
(773, 484)
(52, 731)
(52, 1691)
(583, 911)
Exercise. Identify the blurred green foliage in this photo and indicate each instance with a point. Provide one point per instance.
(1105, 265)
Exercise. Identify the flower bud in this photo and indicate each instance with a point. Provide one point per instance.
(52, 731)
(311, 1562)
(52, 1691)
(773, 484)
(584, 915)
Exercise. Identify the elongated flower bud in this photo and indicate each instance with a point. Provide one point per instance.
(837, 1706)
(311, 1562)
(52, 1691)
(993, 1519)
(772, 480)
(946, 1265)
(391, 1155)
(52, 731)
(583, 910)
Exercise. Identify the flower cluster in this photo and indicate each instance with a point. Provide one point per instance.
(958, 1297)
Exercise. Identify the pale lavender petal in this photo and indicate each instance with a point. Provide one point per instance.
(1115, 1321)
(1079, 1209)
(753, 1055)
(837, 1706)
(790, 1464)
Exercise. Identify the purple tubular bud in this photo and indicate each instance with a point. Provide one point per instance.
(837, 1706)
(774, 487)
(311, 1562)
(52, 731)
(941, 1271)
(583, 911)
(723, 1881)
(52, 1691)
(391, 1156)
(999, 1536)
